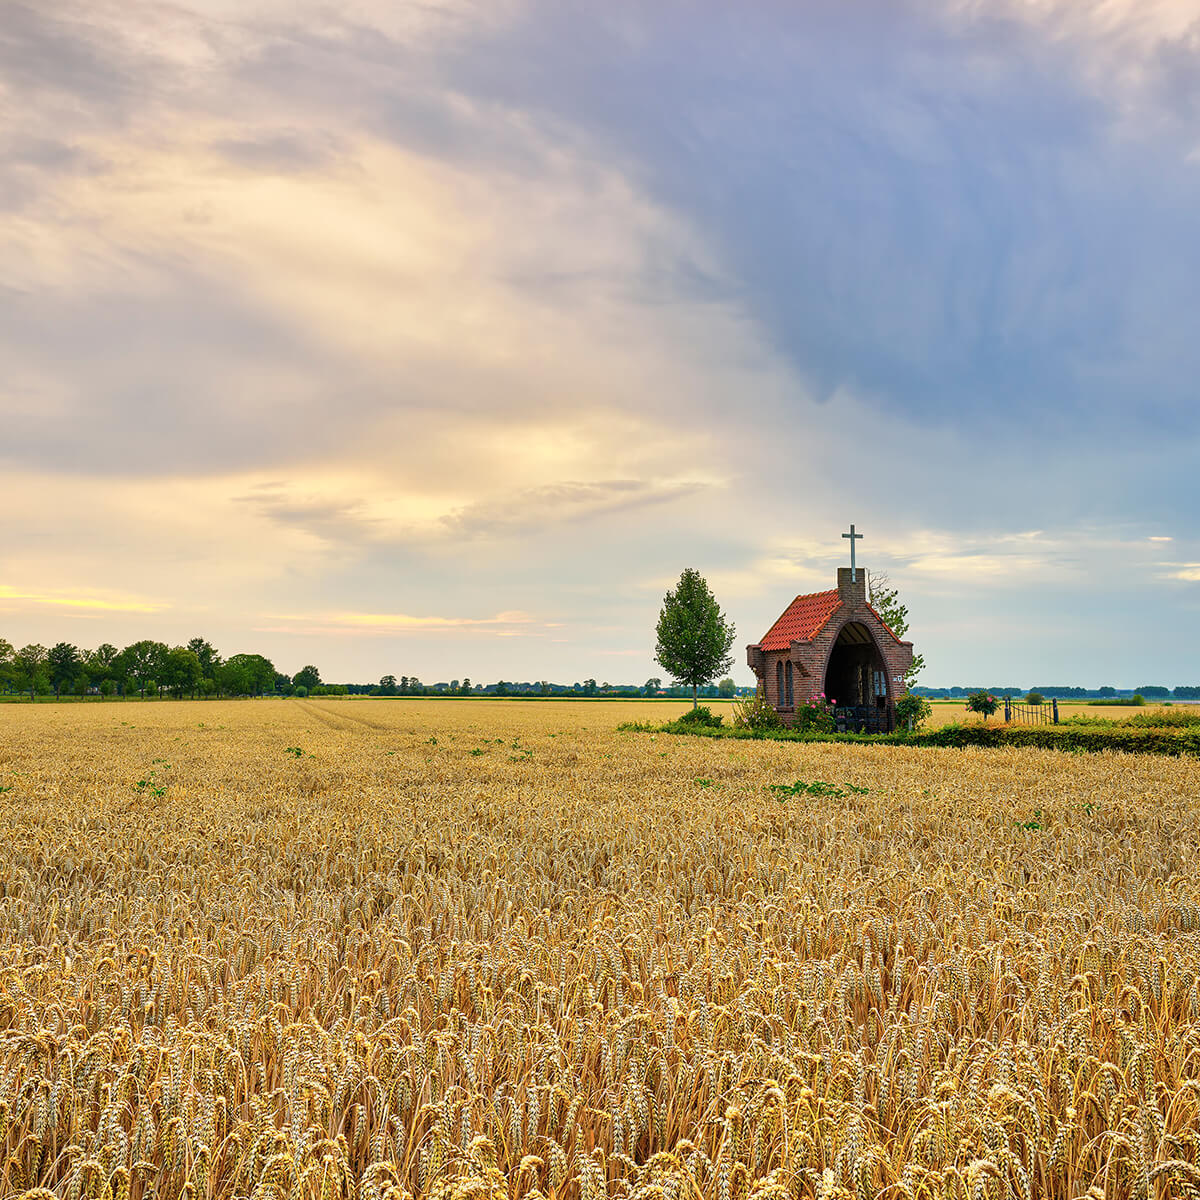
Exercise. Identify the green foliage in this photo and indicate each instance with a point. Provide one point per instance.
(1068, 737)
(64, 665)
(702, 715)
(141, 662)
(207, 656)
(885, 600)
(912, 709)
(1137, 699)
(694, 637)
(151, 785)
(1156, 718)
(309, 677)
(1035, 822)
(982, 702)
(1074, 738)
(247, 675)
(30, 664)
(817, 788)
(727, 689)
(754, 714)
(181, 671)
(1035, 698)
(815, 715)
(102, 668)
(1162, 719)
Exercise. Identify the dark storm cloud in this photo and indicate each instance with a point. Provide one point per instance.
(939, 212)
(940, 216)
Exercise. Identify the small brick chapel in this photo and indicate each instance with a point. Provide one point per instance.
(834, 643)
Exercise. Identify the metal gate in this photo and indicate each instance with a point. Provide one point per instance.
(1031, 714)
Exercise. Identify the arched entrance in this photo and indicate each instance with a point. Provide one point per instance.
(856, 680)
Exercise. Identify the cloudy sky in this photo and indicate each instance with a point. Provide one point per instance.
(437, 337)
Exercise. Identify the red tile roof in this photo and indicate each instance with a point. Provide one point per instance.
(804, 618)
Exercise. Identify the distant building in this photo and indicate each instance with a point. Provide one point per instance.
(833, 643)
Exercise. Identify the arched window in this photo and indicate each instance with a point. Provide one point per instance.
(791, 699)
(779, 684)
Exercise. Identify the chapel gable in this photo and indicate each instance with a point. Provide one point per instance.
(834, 644)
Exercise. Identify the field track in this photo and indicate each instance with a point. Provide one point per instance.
(343, 949)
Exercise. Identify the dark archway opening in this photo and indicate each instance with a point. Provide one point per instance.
(856, 679)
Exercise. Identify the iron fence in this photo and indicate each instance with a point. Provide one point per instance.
(862, 719)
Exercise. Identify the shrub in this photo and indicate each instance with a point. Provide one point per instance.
(701, 716)
(982, 702)
(912, 711)
(755, 714)
(815, 715)
(1137, 698)
(1161, 719)
(1035, 698)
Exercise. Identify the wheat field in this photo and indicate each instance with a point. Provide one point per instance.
(385, 949)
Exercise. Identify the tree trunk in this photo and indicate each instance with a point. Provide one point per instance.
(695, 702)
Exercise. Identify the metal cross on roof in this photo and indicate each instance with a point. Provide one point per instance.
(854, 537)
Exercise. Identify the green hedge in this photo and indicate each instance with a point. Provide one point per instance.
(1077, 739)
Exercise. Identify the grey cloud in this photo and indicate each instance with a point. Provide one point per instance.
(42, 54)
(187, 377)
(30, 166)
(563, 503)
(937, 213)
(932, 208)
(1177, 79)
(282, 152)
(347, 523)
(341, 522)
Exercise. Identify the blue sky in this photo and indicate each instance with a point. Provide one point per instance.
(439, 338)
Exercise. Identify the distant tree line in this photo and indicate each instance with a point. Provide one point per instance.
(196, 670)
(1149, 691)
(144, 668)
(411, 686)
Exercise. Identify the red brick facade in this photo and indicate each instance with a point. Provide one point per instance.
(831, 642)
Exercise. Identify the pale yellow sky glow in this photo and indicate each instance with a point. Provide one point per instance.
(438, 338)
(16, 599)
(342, 624)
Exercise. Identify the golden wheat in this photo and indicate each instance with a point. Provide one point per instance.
(342, 950)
